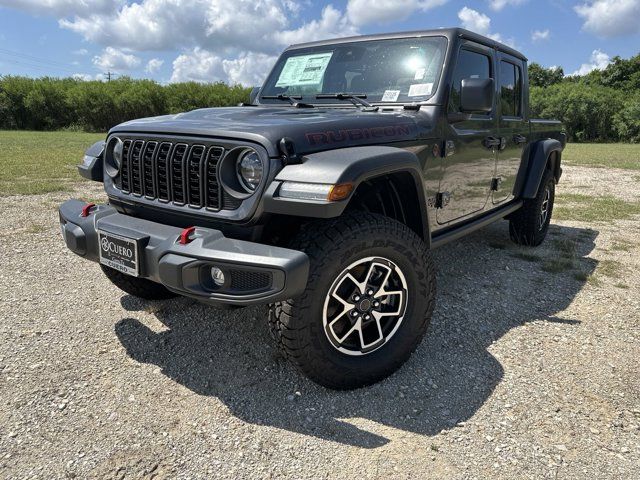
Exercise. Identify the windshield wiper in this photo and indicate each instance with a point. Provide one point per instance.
(290, 98)
(355, 98)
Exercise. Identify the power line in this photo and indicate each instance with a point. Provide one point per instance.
(31, 58)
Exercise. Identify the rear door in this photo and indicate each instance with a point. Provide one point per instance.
(469, 165)
(513, 125)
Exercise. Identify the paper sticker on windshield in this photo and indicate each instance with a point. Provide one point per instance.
(390, 95)
(304, 70)
(420, 89)
(420, 73)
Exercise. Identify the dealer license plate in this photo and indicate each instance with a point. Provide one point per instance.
(120, 253)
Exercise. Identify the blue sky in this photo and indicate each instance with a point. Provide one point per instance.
(238, 40)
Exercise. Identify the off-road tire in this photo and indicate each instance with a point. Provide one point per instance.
(138, 287)
(525, 226)
(332, 245)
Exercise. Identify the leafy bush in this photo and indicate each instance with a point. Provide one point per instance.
(51, 104)
(602, 106)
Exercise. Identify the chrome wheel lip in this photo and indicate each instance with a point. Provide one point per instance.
(544, 209)
(376, 298)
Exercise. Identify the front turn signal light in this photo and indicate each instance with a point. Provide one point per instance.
(340, 191)
(315, 191)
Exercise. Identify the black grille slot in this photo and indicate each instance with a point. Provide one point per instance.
(162, 171)
(125, 179)
(136, 157)
(194, 175)
(212, 186)
(177, 173)
(246, 281)
(148, 179)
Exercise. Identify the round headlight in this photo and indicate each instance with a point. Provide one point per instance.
(113, 157)
(117, 153)
(249, 169)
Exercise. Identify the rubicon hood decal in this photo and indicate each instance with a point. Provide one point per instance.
(312, 129)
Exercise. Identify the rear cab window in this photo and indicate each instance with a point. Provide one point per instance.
(510, 89)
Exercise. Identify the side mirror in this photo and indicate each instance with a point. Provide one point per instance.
(254, 94)
(476, 95)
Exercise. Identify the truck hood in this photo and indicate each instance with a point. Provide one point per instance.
(311, 129)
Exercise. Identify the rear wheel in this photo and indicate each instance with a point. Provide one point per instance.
(138, 287)
(529, 225)
(367, 305)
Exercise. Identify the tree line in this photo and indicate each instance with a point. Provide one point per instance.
(602, 106)
(52, 104)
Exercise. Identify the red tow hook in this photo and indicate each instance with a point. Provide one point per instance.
(186, 233)
(86, 210)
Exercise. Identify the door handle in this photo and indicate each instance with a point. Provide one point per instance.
(491, 142)
(518, 139)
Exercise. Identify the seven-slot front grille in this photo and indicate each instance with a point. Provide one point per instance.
(174, 172)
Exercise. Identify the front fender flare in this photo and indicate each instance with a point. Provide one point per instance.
(348, 165)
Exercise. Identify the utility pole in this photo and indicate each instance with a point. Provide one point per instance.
(108, 75)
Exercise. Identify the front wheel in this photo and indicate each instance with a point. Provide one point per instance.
(368, 302)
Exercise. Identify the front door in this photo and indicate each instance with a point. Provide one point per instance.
(513, 126)
(469, 161)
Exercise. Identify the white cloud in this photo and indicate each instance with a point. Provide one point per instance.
(199, 65)
(153, 65)
(498, 5)
(116, 60)
(82, 76)
(540, 35)
(363, 12)
(474, 21)
(250, 69)
(226, 35)
(331, 24)
(81, 51)
(87, 77)
(165, 24)
(610, 18)
(480, 23)
(598, 61)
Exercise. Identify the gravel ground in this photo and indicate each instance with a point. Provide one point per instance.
(523, 374)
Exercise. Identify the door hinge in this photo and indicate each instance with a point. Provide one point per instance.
(495, 183)
(449, 148)
(442, 199)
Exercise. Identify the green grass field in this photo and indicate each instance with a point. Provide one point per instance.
(614, 155)
(41, 162)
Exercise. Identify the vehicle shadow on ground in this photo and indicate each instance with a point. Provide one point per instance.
(484, 290)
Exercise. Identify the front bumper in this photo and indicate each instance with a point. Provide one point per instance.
(255, 273)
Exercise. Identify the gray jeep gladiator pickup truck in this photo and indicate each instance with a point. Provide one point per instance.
(323, 196)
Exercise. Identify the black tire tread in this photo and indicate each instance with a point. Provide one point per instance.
(523, 224)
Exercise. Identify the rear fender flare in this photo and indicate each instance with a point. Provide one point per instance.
(540, 154)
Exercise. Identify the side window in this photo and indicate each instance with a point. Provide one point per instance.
(510, 90)
(470, 65)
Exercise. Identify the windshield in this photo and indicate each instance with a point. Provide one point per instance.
(402, 70)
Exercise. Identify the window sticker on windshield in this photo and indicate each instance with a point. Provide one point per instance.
(304, 70)
(390, 95)
(420, 89)
(420, 73)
